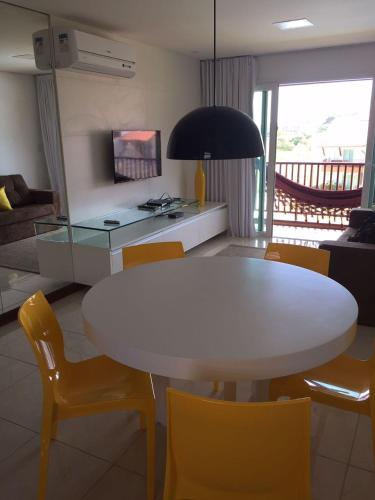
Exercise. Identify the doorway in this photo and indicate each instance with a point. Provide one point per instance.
(316, 145)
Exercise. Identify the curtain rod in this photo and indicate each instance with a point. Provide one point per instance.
(228, 57)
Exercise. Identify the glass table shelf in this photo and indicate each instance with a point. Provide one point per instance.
(129, 216)
(133, 224)
(52, 220)
(52, 228)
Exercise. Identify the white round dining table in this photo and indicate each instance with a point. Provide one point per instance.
(220, 318)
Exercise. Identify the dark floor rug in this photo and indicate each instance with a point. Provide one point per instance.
(20, 255)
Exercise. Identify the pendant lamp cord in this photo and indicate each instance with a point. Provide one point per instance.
(214, 53)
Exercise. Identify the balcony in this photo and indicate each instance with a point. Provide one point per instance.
(317, 195)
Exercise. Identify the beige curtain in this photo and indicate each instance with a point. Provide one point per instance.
(232, 181)
(49, 123)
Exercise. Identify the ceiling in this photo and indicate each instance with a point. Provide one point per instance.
(244, 26)
(16, 27)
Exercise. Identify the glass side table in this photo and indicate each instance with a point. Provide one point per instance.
(133, 224)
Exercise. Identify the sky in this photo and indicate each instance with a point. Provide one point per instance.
(311, 104)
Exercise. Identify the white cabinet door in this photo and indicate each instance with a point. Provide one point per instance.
(187, 233)
(212, 224)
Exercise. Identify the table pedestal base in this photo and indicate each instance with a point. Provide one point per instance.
(233, 391)
(246, 391)
(230, 391)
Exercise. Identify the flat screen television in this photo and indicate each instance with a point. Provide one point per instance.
(137, 154)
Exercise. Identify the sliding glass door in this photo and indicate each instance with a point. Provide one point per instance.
(265, 116)
(368, 192)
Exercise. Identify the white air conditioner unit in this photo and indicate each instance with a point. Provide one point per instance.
(82, 51)
(42, 49)
(78, 50)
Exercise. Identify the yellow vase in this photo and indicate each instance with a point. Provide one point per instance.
(200, 184)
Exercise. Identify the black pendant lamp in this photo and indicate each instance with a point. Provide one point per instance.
(215, 132)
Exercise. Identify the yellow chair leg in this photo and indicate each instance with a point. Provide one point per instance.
(150, 455)
(216, 386)
(45, 440)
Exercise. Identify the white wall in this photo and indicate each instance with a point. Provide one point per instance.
(335, 63)
(21, 149)
(165, 88)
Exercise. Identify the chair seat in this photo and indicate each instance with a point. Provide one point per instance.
(343, 382)
(102, 382)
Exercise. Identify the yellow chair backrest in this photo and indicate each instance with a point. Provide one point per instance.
(314, 259)
(44, 334)
(219, 450)
(151, 252)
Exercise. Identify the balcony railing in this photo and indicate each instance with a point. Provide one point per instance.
(304, 194)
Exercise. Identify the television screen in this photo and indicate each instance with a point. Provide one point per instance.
(136, 154)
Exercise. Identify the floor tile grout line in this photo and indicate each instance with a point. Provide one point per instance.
(372, 471)
(140, 474)
(90, 488)
(20, 425)
(72, 331)
(96, 456)
(19, 447)
(131, 442)
(77, 448)
(125, 469)
(19, 380)
(349, 458)
(2, 355)
(336, 460)
(89, 453)
(111, 463)
(85, 452)
(136, 437)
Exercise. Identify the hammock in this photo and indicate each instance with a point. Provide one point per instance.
(348, 198)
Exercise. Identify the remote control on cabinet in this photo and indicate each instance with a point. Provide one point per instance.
(112, 222)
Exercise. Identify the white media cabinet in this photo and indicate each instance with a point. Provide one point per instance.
(89, 251)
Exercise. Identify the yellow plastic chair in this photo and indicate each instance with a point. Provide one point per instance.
(346, 383)
(219, 450)
(314, 259)
(151, 252)
(93, 386)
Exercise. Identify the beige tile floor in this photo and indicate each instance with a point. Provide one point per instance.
(103, 457)
(16, 286)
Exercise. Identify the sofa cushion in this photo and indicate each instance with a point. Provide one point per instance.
(4, 201)
(366, 232)
(358, 216)
(16, 189)
(21, 214)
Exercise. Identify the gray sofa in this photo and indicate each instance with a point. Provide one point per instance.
(353, 265)
(28, 205)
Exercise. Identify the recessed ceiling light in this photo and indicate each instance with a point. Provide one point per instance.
(294, 24)
(29, 57)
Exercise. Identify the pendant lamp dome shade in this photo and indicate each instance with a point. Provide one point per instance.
(215, 133)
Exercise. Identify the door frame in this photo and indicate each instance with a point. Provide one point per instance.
(269, 184)
(369, 174)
